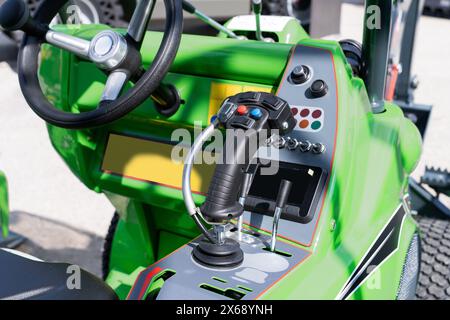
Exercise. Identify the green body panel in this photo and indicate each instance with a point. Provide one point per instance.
(4, 206)
(374, 155)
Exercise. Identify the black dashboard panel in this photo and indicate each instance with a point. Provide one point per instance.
(263, 192)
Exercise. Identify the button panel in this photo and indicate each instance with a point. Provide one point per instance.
(313, 105)
(312, 142)
(310, 119)
(269, 111)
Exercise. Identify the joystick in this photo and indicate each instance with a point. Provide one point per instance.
(246, 116)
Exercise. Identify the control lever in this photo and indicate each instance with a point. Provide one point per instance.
(189, 7)
(245, 116)
(244, 192)
(283, 196)
(257, 10)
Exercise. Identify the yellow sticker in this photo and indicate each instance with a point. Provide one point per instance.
(151, 161)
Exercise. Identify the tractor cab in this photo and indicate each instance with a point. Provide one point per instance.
(242, 166)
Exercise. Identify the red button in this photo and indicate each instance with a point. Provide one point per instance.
(294, 111)
(242, 110)
(317, 114)
(304, 113)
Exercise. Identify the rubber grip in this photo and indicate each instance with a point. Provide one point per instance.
(222, 201)
(283, 193)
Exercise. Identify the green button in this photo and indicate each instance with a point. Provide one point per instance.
(316, 125)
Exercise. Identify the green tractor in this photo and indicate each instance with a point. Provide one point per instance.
(300, 190)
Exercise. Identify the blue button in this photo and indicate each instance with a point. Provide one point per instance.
(256, 114)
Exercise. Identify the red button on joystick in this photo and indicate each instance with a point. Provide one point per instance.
(242, 110)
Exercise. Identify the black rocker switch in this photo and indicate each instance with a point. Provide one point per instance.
(227, 111)
(242, 122)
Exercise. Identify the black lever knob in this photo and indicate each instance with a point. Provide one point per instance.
(257, 6)
(188, 7)
(15, 15)
(283, 193)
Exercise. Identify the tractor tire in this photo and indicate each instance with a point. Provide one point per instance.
(107, 245)
(434, 277)
(299, 9)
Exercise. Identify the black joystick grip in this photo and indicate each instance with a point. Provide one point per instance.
(221, 203)
(283, 193)
(223, 190)
(246, 115)
(15, 15)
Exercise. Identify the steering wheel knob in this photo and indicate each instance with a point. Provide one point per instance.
(14, 14)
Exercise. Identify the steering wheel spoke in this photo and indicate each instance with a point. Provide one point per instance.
(140, 19)
(114, 85)
(75, 45)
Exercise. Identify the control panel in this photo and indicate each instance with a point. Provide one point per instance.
(304, 158)
(305, 155)
(257, 110)
(313, 102)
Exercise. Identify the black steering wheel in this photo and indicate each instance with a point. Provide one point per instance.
(117, 55)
